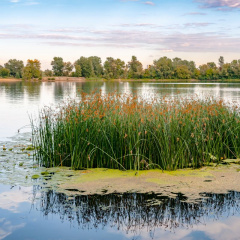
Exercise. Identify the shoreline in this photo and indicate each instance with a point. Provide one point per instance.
(82, 79)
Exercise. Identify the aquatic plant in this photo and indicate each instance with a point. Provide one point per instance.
(127, 132)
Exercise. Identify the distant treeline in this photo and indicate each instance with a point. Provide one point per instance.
(92, 67)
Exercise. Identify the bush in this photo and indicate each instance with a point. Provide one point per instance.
(4, 72)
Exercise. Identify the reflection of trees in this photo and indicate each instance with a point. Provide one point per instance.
(33, 89)
(135, 211)
(17, 90)
(88, 87)
(13, 89)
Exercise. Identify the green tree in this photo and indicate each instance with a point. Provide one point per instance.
(78, 71)
(15, 67)
(135, 68)
(57, 66)
(114, 68)
(164, 68)
(17, 76)
(48, 73)
(235, 69)
(86, 67)
(182, 72)
(32, 69)
(68, 67)
(97, 66)
(4, 72)
(191, 66)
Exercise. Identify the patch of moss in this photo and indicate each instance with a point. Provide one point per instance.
(100, 174)
(190, 172)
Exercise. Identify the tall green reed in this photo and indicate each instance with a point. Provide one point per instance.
(125, 132)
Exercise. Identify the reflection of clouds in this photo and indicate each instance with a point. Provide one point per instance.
(12, 199)
(229, 229)
(7, 228)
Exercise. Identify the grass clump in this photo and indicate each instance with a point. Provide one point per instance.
(126, 132)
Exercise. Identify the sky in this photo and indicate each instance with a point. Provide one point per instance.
(198, 30)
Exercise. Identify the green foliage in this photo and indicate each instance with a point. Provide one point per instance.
(48, 73)
(4, 72)
(182, 72)
(97, 66)
(17, 76)
(86, 67)
(78, 71)
(164, 68)
(57, 66)
(68, 67)
(135, 68)
(113, 68)
(15, 67)
(32, 69)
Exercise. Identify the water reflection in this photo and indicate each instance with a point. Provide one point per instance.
(133, 212)
(39, 213)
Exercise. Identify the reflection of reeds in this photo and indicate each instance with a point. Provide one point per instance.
(132, 212)
(125, 132)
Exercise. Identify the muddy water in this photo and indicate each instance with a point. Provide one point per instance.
(29, 210)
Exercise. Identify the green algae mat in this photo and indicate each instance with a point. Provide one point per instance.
(18, 168)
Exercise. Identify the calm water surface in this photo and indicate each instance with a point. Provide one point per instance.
(29, 213)
(34, 213)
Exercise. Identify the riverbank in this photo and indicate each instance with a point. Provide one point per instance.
(82, 79)
(5, 80)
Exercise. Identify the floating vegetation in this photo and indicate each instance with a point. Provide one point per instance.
(126, 132)
(30, 148)
(35, 176)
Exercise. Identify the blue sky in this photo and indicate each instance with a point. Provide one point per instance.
(199, 30)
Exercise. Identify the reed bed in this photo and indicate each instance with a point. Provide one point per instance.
(126, 132)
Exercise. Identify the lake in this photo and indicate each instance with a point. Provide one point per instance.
(35, 212)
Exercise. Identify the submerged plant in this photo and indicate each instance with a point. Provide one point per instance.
(126, 132)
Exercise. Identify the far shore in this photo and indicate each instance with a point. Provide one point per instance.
(82, 79)
(10, 80)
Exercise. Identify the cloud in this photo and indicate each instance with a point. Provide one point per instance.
(194, 25)
(195, 13)
(149, 3)
(123, 37)
(219, 4)
(26, 2)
